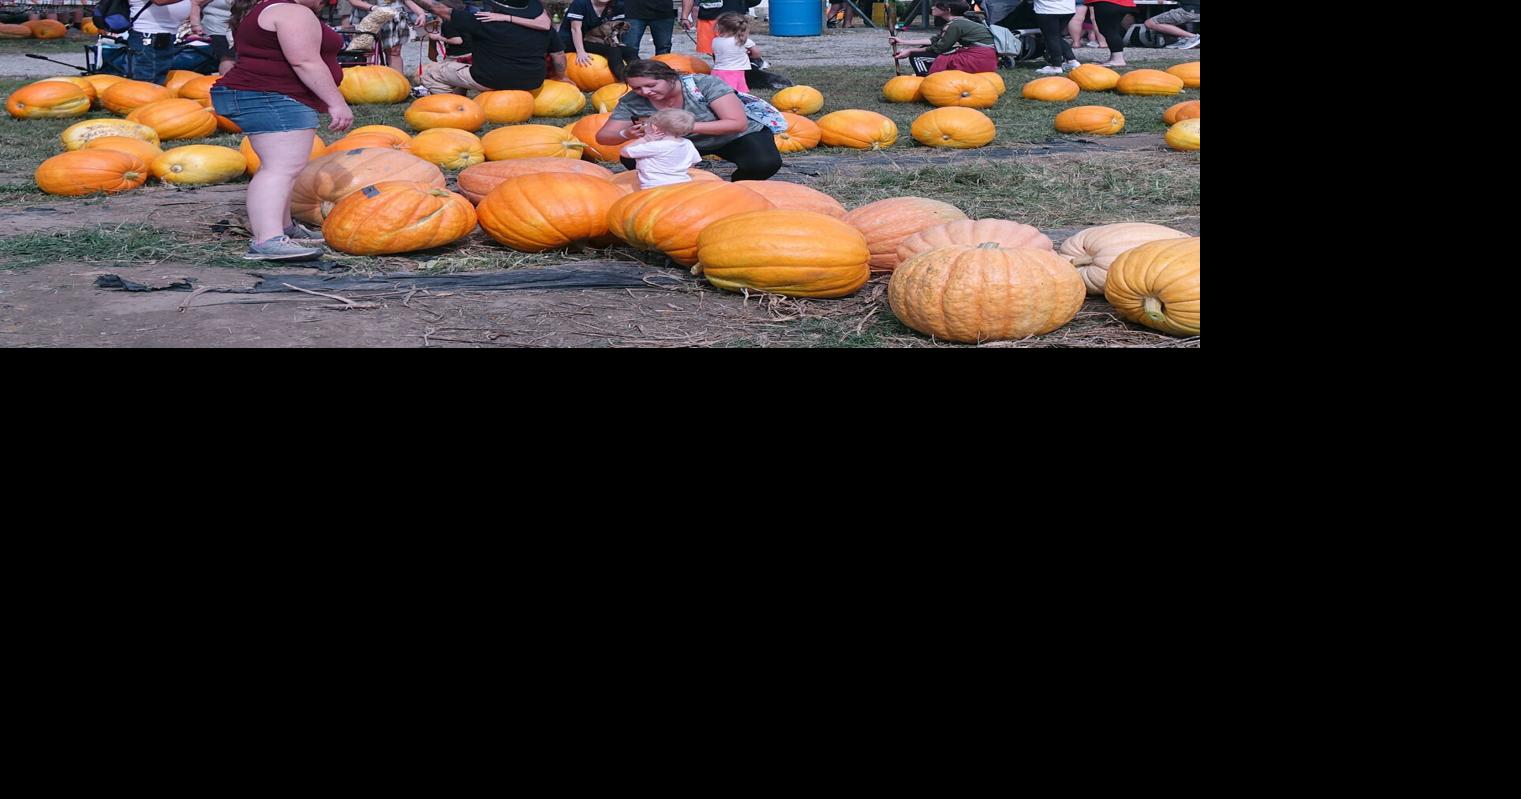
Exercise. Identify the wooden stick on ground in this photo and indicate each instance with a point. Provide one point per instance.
(892, 32)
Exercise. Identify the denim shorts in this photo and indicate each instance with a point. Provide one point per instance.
(262, 112)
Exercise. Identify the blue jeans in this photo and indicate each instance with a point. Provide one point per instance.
(149, 64)
(660, 31)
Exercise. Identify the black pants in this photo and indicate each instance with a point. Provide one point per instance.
(1053, 27)
(615, 55)
(754, 155)
(1109, 18)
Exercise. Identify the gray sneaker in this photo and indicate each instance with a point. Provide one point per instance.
(1189, 43)
(281, 248)
(300, 232)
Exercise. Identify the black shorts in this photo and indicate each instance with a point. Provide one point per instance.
(220, 49)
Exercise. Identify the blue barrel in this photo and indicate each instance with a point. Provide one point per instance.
(797, 17)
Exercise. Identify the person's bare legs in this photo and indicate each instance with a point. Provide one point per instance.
(393, 55)
(282, 156)
(1170, 30)
(1075, 27)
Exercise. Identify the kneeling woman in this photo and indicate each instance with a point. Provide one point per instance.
(722, 128)
(963, 44)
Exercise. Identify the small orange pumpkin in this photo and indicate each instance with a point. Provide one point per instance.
(1189, 73)
(1180, 112)
(1094, 78)
(356, 141)
(102, 82)
(903, 89)
(591, 77)
(506, 107)
(398, 216)
(585, 130)
(858, 130)
(953, 127)
(445, 111)
(954, 87)
(1149, 83)
(557, 99)
(803, 100)
(801, 134)
(450, 148)
(1055, 89)
(1094, 120)
(80, 172)
(683, 63)
(531, 141)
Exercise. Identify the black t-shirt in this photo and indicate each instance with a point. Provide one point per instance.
(649, 9)
(449, 31)
(584, 12)
(507, 55)
(713, 9)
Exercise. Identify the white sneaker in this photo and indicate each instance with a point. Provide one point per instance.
(1049, 71)
(1072, 65)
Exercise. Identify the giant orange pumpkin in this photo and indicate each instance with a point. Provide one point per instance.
(445, 111)
(335, 175)
(803, 100)
(1055, 89)
(199, 165)
(477, 181)
(903, 89)
(396, 216)
(801, 134)
(606, 98)
(48, 100)
(985, 293)
(954, 128)
(1094, 78)
(246, 148)
(127, 96)
(450, 148)
(374, 85)
(796, 197)
(1184, 110)
(886, 223)
(506, 107)
(796, 253)
(531, 141)
(954, 87)
(1188, 73)
(1149, 82)
(668, 219)
(85, 86)
(591, 77)
(629, 181)
(176, 119)
(46, 28)
(549, 211)
(1090, 119)
(859, 130)
(88, 171)
(557, 99)
(1006, 234)
(1157, 284)
(75, 135)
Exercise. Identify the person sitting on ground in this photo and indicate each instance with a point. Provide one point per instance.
(662, 154)
(962, 44)
(1052, 16)
(509, 44)
(1171, 23)
(721, 127)
(732, 50)
(585, 16)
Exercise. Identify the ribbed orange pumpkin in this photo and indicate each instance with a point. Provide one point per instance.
(886, 223)
(1094, 78)
(531, 141)
(606, 98)
(356, 141)
(903, 89)
(450, 148)
(1180, 112)
(124, 144)
(796, 253)
(177, 78)
(954, 87)
(668, 219)
(628, 182)
(796, 197)
(1054, 89)
(591, 77)
(803, 100)
(585, 130)
(397, 135)
(1093, 250)
(1188, 73)
(985, 293)
(1149, 82)
(1095, 120)
(176, 119)
(335, 175)
(46, 28)
(556, 99)
(374, 85)
(88, 171)
(995, 79)
(199, 165)
(682, 63)
(445, 111)
(75, 135)
(859, 130)
(477, 181)
(246, 148)
(198, 88)
(1157, 285)
(102, 82)
(506, 107)
(953, 127)
(397, 216)
(970, 233)
(802, 134)
(127, 96)
(48, 100)
(549, 211)
(85, 86)
(15, 32)
(1184, 135)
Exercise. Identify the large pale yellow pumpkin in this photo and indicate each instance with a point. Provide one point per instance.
(1157, 285)
(985, 293)
(557, 99)
(796, 253)
(319, 148)
(886, 223)
(628, 182)
(858, 130)
(127, 96)
(506, 107)
(1092, 250)
(396, 216)
(1149, 82)
(1189, 73)
(668, 219)
(1188, 109)
(477, 181)
(176, 118)
(903, 89)
(450, 148)
(374, 85)
(954, 128)
(48, 100)
(177, 78)
(1055, 89)
(1094, 78)
(1095, 120)
(339, 173)
(549, 211)
(75, 135)
(801, 134)
(88, 171)
(124, 144)
(803, 100)
(591, 77)
(531, 141)
(1184, 135)
(199, 165)
(954, 87)
(796, 197)
(969, 232)
(445, 111)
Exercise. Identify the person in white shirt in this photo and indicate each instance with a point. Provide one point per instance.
(1053, 16)
(663, 155)
(151, 40)
(732, 49)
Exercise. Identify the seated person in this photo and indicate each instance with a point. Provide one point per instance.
(509, 42)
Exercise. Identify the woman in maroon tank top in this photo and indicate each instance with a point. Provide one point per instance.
(287, 71)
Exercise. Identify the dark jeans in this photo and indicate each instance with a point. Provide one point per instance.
(660, 32)
(149, 64)
(754, 156)
(1109, 18)
(1053, 27)
(616, 56)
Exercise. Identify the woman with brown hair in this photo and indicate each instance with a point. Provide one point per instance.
(962, 44)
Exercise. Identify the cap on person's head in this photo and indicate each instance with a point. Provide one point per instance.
(517, 8)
